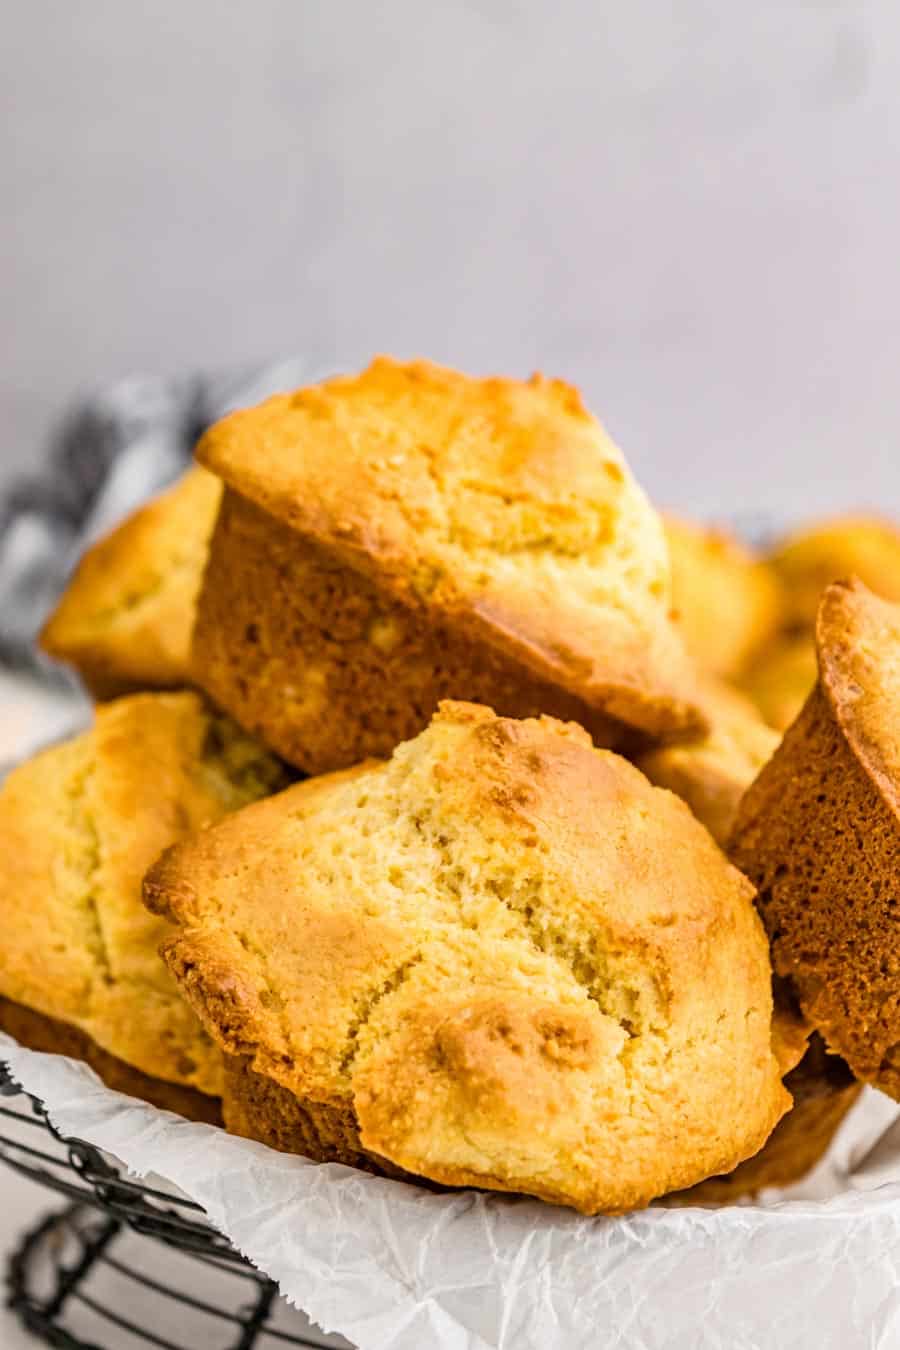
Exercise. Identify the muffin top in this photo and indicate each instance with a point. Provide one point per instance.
(712, 771)
(520, 965)
(858, 643)
(500, 505)
(125, 619)
(864, 546)
(727, 601)
(79, 825)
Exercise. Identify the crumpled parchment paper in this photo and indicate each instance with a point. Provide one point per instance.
(392, 1267)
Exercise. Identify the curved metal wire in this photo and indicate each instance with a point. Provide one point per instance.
(81, 1270)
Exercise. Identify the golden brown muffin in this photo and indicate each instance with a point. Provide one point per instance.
(727, 602)
(711, 772)
(864, 546)
(38, 1032)
(823, 1091)
(79, 825)
(779, 679)
(126, 617)
(408, 534)
(500, 959)
(819, 834)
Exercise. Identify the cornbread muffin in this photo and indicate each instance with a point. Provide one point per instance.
(500, 959)
(126, 617)
(819, 834)
(46, 1034)
(79, 825)
(864, 546)
(711, 772)
(727, 602)
(408, 534)
(779, 680)
(823, 1090)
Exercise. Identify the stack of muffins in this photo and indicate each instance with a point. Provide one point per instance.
(437, 818)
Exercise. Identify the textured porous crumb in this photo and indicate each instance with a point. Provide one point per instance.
(79, 825)
(500, 959)
(819, 834)
(126, 617)
(410, 534)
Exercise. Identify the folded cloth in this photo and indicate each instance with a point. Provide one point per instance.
(108, 455)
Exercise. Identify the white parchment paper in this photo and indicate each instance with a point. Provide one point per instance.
(392, 1267)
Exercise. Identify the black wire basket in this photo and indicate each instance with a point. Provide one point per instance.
(121, 1260)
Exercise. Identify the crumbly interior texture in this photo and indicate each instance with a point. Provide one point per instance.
(495, 508)
(727, 601)
(328, 670)
(867, 547)
(79, 826)
(52, 1037)
(819, 834)
(126, 617)
(711, 772)
(823, 1091)
(502, 958)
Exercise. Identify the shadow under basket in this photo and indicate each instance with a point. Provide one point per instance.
(123, 1264)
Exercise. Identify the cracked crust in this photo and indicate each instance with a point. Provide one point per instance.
(79, 825)
(461, 535)
(503, 956)
(126, 617)
(819, 834)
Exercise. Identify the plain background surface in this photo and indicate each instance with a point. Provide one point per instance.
(691, 209)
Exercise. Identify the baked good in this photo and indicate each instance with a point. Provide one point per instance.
(727, 601)
(712, 771)
(823, 1090)
(390, 539)
(864, 546)
(39, 1032)
(500, 959)
(779, 680)
(79, 825)
(125, 619)
(819, 835)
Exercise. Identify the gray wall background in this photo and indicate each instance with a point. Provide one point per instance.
(689, 207)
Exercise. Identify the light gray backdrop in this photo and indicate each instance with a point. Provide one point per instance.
(689, 207)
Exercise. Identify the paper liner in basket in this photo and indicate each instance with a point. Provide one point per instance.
(392, 1267)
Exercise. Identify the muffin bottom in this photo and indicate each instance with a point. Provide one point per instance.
(312, 657)
(37, 1031)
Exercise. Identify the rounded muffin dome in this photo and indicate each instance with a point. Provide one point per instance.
(500, 959)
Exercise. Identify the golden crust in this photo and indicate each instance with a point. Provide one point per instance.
(712, 772)
(865, 546)
(79, 825)
(502, 956)
(823, 1092)
(819, 833)
(493, 506)
(779, 680)
(125, 619)
(727, 601)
